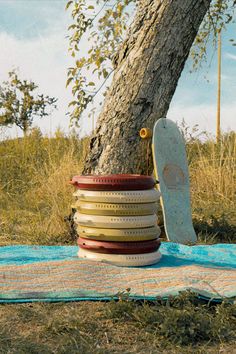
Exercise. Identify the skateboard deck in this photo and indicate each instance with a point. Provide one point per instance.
(171, 169)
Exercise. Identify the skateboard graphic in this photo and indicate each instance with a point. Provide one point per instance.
(171, 169)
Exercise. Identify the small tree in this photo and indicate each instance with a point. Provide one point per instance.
(19, 104)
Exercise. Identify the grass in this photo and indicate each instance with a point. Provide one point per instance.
(35, 198)
(34, 175)
(179, 326)
(213, 183)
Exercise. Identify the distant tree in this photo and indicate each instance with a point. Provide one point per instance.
(19, 104)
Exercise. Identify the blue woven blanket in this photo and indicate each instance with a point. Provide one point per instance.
(55, 273)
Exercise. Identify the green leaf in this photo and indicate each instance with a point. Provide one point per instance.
(73, 103)
(69, 81)
(71, 27)
(68, 4)
(105, 73)
(91, 83)
(91, 7)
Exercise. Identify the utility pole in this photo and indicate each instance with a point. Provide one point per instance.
(218, 89)
(93, 122)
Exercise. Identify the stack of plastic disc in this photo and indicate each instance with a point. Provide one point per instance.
(116, 219)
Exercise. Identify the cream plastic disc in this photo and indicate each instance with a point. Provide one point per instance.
(116, 209)
(129, 235)
(125, 260)
(142, 196)
(115, 222)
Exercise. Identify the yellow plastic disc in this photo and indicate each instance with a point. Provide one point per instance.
(142, 196)
(116, 209)
(115, 222)
(128, 235)
(124, 260)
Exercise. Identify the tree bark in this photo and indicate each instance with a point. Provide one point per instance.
(147, 69)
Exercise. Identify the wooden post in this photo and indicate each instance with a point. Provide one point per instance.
(218, 89)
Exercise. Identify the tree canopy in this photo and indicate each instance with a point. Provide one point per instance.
(105, 24)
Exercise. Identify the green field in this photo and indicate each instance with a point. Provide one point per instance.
(35, 199)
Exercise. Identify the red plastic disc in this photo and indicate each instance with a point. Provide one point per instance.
(119, 247)
(113, 182)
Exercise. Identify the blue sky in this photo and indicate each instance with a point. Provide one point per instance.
(33, 39)
(27, 19)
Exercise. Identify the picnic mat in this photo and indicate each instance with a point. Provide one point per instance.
(55, 273)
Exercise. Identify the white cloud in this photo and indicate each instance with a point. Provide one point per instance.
(44, 60)
(204, 116)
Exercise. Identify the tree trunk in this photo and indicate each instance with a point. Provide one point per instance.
(147, 69)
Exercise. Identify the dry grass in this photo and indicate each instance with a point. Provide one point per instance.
(213, 187)
(35, 195)
(35, 198)
(34, 174)
(213, 172)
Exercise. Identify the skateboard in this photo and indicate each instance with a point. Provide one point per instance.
(171, 169)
